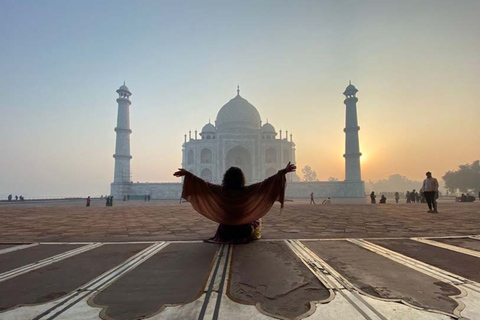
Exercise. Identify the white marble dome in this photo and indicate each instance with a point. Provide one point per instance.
(208, 128)
(238, 113)
(268, 128)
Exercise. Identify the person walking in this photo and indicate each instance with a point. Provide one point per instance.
(88, 201)
(312, 201)
(430, 188)
(397, 196)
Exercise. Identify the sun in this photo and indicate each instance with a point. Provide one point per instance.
(364, 157)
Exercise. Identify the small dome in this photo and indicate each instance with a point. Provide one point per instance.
(238, 113)
(268, 128)
(350, 90)
(124, 87)
(208, 128)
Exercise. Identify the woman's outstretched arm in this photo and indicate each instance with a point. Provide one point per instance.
(180, 173)
(289, 168)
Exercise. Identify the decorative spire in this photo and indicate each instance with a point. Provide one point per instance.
(123, 82)
(349, 82)
(238, 89)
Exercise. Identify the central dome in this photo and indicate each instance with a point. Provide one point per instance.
(238, 113)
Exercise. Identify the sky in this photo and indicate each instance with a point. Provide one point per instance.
(415, 64)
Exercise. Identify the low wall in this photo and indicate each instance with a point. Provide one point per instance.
(321, 189)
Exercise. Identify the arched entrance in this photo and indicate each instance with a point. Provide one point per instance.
(206, 175)
(240, 157)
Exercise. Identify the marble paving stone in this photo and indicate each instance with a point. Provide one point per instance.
(175, 275)
(467, 243)
(15, 259)
(458, 263)
(60, 278)
(271, 275)
(381, 277)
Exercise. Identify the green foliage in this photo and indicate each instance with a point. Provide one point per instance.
(309, 174)
(465, 179)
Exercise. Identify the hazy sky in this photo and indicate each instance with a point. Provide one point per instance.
(415, 63)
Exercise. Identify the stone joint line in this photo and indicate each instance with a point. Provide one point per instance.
(101, 282)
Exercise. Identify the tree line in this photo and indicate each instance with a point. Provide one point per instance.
(465, 179)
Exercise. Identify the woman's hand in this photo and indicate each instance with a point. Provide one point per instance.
(290, 168)
(180, 173)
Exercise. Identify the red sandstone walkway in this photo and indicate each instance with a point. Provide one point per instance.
(168, 220)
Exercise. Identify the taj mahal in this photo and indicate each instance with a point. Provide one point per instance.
(238, 138)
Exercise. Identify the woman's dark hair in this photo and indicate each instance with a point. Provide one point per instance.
(233, 179)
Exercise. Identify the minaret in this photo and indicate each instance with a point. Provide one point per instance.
(352, 148)
(122, 147)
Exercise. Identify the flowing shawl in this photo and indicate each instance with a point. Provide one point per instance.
(234, 207)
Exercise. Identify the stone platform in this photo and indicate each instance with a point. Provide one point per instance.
(62, 260)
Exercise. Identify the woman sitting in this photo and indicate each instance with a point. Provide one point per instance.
(236, 207)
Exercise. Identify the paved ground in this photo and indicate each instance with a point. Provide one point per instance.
(167, 220)
(137, 260)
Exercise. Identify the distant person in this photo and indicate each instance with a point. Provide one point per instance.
(88, 201)
(312, 201)
(397, 196)
(327, 201)
(383, 199)
(22, 198)
(107, 201)
(149, 197)
(111, 201)
(128, 197)
(16, 198)
(430, 188)
(372, 198)
(9, 197)
(463, 198)
(407, 196)
(413, 195)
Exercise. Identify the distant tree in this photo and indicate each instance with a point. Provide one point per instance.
(395, 182)
(309, 174)
(332, 179)
(465, 179)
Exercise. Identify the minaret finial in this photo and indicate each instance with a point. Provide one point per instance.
(238, 89)
(123, 82)
(349, 81)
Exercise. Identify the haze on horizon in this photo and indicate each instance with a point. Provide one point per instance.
(415, 64)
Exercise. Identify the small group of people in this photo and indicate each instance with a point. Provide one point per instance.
(325, 201)
(428, 193)
(109, 201)
(414, 196)
(467, 197)
(10, 198)
(147, 197)
(373, 198)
